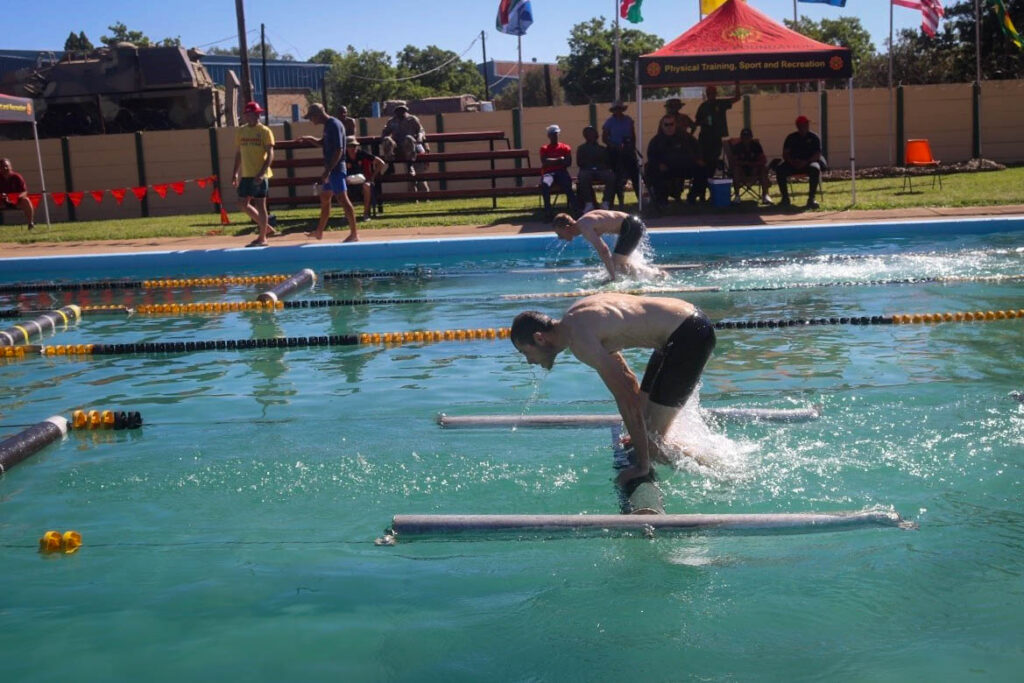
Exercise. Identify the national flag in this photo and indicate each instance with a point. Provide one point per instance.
(834, 3)
(931, 13)
(1004, 22)
(514, 17)
(709, 6)
(630, 11)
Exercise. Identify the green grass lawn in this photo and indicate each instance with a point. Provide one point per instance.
(961, 189)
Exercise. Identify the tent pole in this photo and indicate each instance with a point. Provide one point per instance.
(42, 177)
(618, 57)
(639, 137)
(853, 157)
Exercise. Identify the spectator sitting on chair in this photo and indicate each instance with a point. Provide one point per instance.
(592, 159)
(362, 170)
(673, 108)
(15, 192)
(714, 125)
(555, 160)
(619, 134)
(749, 165)
(673, 156)
(801, 155)
(403, 139)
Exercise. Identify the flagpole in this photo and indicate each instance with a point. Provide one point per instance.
(618, 57)
(799, 86)
(519, 42)
(977, 70)
(891, 147)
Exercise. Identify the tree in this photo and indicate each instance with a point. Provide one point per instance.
(255, 52)
(121, 34)
(535, 92)
(438, 72)
(357, 79)
(845, 32)
(77, 43)
(589, 69)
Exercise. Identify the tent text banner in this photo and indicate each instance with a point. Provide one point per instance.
(706, 69)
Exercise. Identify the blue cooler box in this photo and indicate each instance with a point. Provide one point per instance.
(721, 191)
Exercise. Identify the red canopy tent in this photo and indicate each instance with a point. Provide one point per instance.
(22, 110)
(736, 43)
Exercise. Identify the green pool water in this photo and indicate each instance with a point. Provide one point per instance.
(231, 538)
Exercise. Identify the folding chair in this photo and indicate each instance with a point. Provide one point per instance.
(748, 186)
(918, 154)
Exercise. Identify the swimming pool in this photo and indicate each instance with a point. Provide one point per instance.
(233, 534)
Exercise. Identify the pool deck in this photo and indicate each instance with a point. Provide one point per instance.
(370, 234)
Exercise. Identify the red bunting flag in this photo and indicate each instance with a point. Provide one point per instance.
(201, 182)
(161, 190)
(75, 198)
(178, 187)
(139, 192)
(224, 220)
(119, 194)
(58, 198)
(97, 195)
(215, 196)
(35, 198)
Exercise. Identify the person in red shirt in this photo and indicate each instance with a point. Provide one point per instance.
(555, 160)
(14, 192)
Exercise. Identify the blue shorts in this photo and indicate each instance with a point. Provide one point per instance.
(248, 187)
(335, 182)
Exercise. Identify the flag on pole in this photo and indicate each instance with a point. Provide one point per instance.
(514, 17)
(709, 6)
(931, 13)
(1004, 22)
(834, 3)
(630, 10)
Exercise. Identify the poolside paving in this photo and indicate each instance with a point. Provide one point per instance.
(370, 234)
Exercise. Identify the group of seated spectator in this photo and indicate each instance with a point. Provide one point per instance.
(801, 156)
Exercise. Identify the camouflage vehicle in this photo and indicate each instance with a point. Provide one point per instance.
(121, 89)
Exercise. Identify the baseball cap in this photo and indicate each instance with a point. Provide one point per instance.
(617, 105)
(553, 128)
(352, 142)
(315, 108)
(252, 108)
(401, 107)
(802, 119)
(746, 132)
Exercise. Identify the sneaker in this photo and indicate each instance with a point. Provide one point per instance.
(766, 200)
(363, 219)
(31, 225)
(785, 202)
(811, 204)
(589, 206)
(272, 220)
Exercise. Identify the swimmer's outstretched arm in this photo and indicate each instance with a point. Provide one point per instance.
(600, 247)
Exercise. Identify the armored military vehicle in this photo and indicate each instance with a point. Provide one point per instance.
(120, 89)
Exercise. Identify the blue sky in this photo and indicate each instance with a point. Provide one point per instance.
(303, 28)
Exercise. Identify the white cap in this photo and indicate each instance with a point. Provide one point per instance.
(553, 128)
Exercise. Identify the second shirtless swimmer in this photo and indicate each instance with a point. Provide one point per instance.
(593, 224)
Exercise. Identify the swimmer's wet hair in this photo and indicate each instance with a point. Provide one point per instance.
(562, 221)
(528, 322)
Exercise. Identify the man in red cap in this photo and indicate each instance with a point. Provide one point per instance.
(253, 155)
(801, 155)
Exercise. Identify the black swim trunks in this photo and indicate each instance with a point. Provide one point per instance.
(630, 233)
(673, 371)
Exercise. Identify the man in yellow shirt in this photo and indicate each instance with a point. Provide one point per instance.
(254, 153)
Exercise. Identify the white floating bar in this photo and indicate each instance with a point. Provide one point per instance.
(612, 419)
(418, 525)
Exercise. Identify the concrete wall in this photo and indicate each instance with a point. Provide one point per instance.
(941, 113)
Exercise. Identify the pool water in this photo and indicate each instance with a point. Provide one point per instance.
(232, 536)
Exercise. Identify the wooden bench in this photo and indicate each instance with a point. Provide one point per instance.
(383, 185)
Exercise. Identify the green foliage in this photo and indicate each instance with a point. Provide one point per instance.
(440, 72)
(535, 92)
(254, 52)
(588, 72)
(121, 34)
(77, 43)
(847, 32)
(357, 79)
